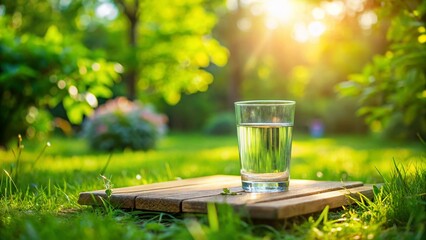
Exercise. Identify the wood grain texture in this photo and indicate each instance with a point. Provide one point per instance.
(193, 196)
(298, 188)
(170, 200)
(125, 197)
(307, 204)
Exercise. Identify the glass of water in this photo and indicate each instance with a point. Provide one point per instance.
(264, 142)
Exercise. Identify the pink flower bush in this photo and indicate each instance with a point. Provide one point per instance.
(121, 123)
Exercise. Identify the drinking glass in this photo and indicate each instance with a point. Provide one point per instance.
(264, 129)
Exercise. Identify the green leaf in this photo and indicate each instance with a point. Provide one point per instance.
(226, 191)
(76, 110)
(219, 55)
(75, 115)
(108, 192)
(53, 35)
(348, 88)
(100, 91)
(364, 111)
(376, 190)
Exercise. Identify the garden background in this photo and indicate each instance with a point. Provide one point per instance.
(142, 91)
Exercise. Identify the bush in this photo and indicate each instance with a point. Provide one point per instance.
(391, 88)
(221, 124)
(39, 73)
(120, 124)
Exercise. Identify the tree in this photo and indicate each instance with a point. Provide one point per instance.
(165, 46)
(272, 56)
(37, 16)
(39, 73)
(169, 47)
(392, 87)
(236, 57)
(131, 12)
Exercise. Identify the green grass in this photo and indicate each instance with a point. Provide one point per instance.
(41, 202)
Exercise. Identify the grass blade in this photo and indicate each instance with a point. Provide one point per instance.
(106, 164)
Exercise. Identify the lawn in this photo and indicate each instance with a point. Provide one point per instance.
(41, 201)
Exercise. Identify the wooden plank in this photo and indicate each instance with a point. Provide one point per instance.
(298, 188)
(193, 195)
(170, 200)
(308, 204)
(125, 197)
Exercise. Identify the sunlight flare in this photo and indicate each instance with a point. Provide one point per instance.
(280, 10)
(316, 28)
(300, 33)
(335, 8)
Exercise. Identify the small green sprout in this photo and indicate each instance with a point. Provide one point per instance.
(226, 191)
(108, 186)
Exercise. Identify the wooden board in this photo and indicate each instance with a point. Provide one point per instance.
(193, 196)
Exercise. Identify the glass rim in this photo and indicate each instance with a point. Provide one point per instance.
(265, 102)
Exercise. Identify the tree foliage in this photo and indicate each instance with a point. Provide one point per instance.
(173, 47)
(42, 67)
(392, 88)
(37, 73)
(170, 48)
(269, 62)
